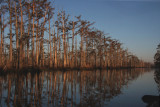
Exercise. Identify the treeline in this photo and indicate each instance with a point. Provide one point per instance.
(33, 35)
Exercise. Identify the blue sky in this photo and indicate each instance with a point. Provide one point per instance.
(136, 23)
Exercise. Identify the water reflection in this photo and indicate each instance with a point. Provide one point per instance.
(157, 78)
(151, 100)
(70, 88)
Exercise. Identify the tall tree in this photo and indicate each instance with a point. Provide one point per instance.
(17, 36)
(10, 22)
(21, 61)
(1, 40)
(64, 29)
(29, 29)
(157, 57)
(33, 61)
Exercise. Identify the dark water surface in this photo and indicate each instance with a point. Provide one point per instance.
(116, 88)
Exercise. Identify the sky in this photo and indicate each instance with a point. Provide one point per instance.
(135, 23)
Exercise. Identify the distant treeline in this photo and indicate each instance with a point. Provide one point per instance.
(32, 34)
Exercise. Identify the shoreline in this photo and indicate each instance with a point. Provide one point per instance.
(41, 69)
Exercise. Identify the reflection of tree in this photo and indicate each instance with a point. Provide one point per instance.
(157, 78)
(152, 100)
(71, 88)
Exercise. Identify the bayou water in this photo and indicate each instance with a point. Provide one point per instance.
(96, 88)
